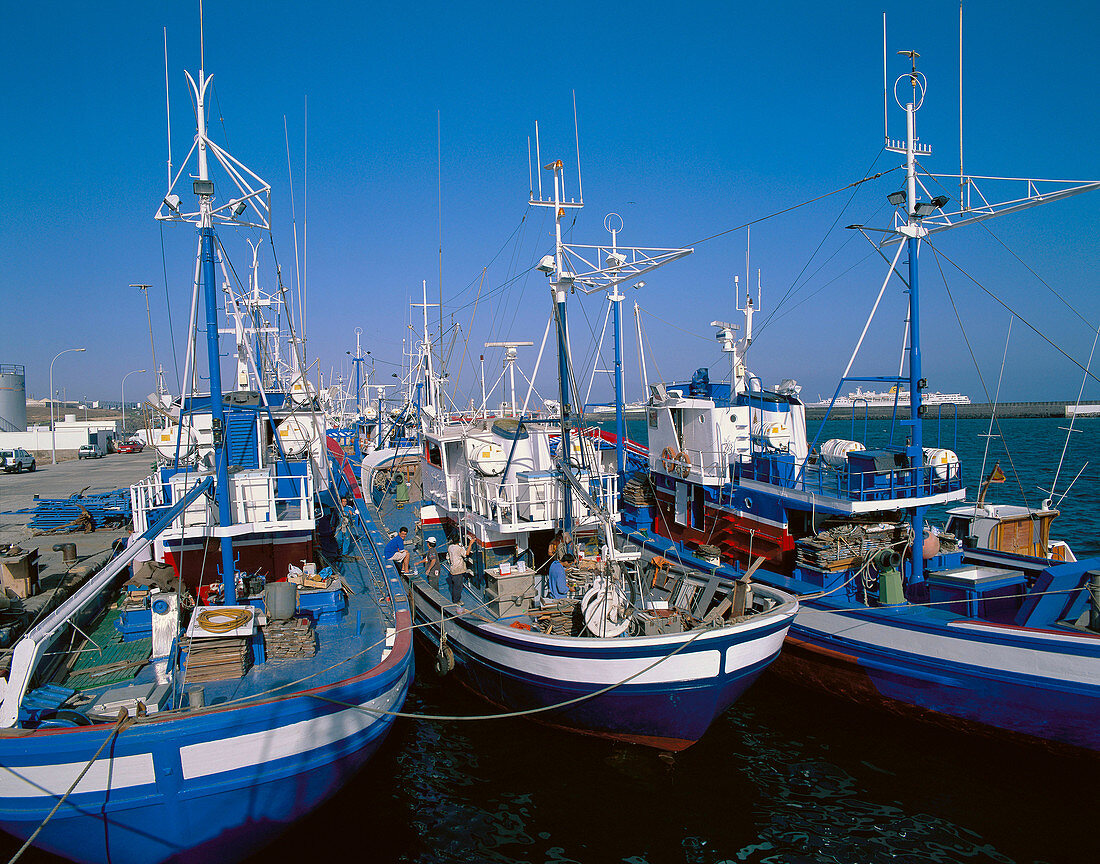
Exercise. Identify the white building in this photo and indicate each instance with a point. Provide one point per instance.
(69, 435)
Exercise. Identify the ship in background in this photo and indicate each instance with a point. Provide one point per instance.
(889, 398)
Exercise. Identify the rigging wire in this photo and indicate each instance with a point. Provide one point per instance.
(794, 284)
(796, 206)
(985, 225)
(171, 329)
(981, 379)
(1007, 308)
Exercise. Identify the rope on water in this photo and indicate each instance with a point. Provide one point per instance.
(504, 715)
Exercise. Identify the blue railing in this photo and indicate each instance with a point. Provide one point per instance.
(884, 484)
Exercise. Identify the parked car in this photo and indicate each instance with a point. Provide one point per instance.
(16, 460)
(89, 451)
(130, 447)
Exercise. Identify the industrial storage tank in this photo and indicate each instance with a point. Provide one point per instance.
(13, 398)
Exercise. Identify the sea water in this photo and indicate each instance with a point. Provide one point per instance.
(786, 776)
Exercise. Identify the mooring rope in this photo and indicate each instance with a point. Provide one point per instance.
(124, 720)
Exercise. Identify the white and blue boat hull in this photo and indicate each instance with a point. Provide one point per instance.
(215, 784)
(674, 686)
(1036, 683)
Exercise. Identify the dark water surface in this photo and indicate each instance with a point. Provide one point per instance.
(786, 776)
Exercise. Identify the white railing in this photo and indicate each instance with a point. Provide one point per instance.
(257, 498)
(525, 504)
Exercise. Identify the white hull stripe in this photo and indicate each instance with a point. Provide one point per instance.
(198, 760)
(38, 781)
(684, 668)
(939, 649)
(257, 748)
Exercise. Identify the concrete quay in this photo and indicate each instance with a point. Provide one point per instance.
(56, 579)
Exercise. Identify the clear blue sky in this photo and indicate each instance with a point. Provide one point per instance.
(694, 119)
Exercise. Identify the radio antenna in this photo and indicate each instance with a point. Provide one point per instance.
(885, 121)
(962, 182)
(538, 158)
(577, 137)
(168, 107)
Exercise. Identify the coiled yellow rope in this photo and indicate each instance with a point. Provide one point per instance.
(223, 620)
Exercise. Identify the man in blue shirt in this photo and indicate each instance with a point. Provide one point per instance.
(557, 586)
(396, 552)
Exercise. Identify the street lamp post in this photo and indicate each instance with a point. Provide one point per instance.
(53, 423)
(124, 377)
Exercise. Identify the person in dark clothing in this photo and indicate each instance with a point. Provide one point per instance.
(456, 564)
(431, 563)
(557, 586)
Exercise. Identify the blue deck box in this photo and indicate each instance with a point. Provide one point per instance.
(992, 593)
(324, 605)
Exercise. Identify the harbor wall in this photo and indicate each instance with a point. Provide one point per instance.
(975, 410)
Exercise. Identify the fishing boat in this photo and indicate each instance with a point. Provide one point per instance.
(230, 669)
(642, 652)
(993, 629)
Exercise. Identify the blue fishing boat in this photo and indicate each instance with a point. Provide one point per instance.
(239, 661)
(993, 627)
(551, 621)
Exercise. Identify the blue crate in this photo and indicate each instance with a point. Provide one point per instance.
(324, 606)
(135, 624)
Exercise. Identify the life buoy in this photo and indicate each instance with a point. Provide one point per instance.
(683, 462)
(668, 460)
(676, 463)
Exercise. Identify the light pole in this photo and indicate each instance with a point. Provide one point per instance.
(124, 377)
(53, 423)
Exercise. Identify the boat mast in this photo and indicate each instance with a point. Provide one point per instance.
(913, 230)
(359, 360)
(561, 281)
(204, 188)
(248, 205)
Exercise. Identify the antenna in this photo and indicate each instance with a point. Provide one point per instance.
(538, 158)
(748, 236)
(202, 41)
(305, 214)
(167, 106)
(962, 182)
(439, 176)
(885, 121)
(293, 222)
(530, 178)
(577, 137)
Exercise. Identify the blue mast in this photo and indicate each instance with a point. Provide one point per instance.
(249, 205)
(620, 420)
(913, 231)
(217, 409)
(563, 394)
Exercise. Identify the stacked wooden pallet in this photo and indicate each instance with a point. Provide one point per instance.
(288, 640)
(217, 659)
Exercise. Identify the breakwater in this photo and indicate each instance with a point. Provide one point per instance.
(973, 411)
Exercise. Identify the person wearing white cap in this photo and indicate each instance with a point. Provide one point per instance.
(431, 563)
